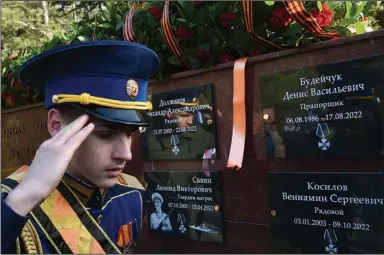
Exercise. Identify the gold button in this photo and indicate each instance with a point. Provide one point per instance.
(99, 218)
(273, 213)
(132, 88)
(55, 98)
(209, 122)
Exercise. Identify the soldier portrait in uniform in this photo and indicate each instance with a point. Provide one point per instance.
(182, 126)
(158, 219)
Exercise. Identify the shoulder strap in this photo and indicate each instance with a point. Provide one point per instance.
(63, 219)
(64, 216)
(18, 175)
(28, 236)
(95, 239)
(130, 181)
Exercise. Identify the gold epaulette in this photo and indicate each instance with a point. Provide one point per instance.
(28, 236)
(30, 239)
(130, 181)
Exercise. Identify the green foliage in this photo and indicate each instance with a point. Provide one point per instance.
(22, 24)
(207, 32)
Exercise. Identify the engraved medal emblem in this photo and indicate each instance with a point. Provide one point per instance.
(175, 142)
(331, 239)
(182, 221)
(323, 132)
(132, 88)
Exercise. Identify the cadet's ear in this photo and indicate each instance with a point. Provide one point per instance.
(55, 121)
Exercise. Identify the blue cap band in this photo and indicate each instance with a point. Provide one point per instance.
(108, 87)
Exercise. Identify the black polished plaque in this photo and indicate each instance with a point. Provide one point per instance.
(185, 203)
(182, 125)
(328, 212)
(333, 110)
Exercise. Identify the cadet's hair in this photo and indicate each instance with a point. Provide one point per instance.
(69, 113)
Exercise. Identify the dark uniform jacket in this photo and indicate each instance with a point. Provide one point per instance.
(75, 218)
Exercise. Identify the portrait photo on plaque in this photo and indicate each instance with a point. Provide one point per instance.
(332, 110)
(185, 203)
(182, 126)
(328, 213)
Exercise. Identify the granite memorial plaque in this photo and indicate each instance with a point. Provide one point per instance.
(185, 203)
(328, 212)
(333, 110)
(182, 125)
(22, 132)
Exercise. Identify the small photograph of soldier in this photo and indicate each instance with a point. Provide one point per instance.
(158, 219)
(186, 131)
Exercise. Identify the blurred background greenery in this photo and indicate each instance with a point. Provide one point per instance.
(207, 32)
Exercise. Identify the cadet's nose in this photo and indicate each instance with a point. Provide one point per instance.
(122, 150)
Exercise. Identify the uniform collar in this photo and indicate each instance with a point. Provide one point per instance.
(89, 195)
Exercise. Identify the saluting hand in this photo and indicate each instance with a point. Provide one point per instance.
(48, 166)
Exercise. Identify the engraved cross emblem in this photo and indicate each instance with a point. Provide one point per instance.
(175, 150)
(324, 144)
(331, 249)
(182, 228)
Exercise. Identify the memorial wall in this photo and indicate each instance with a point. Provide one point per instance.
(331, 110)
(312, 178)
(22, 132)
(327, 111)
(328, 212)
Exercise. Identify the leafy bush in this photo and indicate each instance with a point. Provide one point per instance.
(206, 32)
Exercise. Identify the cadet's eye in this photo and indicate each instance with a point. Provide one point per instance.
(105, 135)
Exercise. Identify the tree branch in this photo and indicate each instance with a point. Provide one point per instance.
(45, 12)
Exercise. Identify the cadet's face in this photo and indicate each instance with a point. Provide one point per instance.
(102, 156)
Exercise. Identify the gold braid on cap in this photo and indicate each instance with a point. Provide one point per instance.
(194, 102)
(30, 239)
(86, 99)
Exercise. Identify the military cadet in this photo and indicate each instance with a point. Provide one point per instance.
(189, 138)
(74, 197)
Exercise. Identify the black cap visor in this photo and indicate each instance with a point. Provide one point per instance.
(122, 116)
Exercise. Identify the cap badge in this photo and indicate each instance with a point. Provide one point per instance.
(132, 88)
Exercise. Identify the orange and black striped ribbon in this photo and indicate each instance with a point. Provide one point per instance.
(10, 100)
(236, 153)
(125, 237)
(248, 17)
(128, 33)
(170, 39)
(297, 10)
